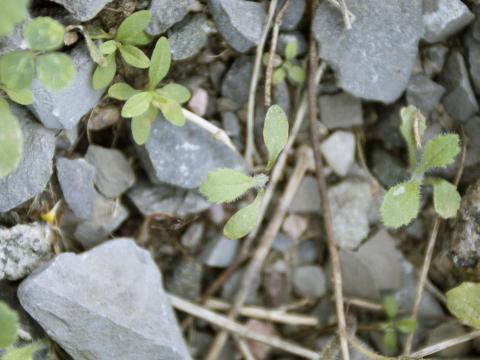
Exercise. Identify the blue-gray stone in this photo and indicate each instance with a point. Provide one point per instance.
(166, 13)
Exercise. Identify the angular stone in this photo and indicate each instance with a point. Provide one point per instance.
(166, 13)
(340, 111)
(424, 93)
(192, 237)
(83, 10)
(183, 156)
(186, 280)
(293, 15)
(219, 251)
(444, 18)
(35, 168)
(113, 173)
(309, 281)
(339, 151)
(459, 100)
(240, 22)
(63, 109)
(107, 303)
(374, 59)
(307, 197)
(235, 85)
(231, 124)
(230, 287)
(473, 46)
(434, 59)
(357, 278)
(189, 37)
(23, 248)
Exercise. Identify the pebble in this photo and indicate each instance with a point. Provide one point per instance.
(188, 37)
(339, 151)
(293, 15)
(309, 281)
(236, 82)
(186, 280)
(340, 111)
(423, 93)
(219, 251)
(307, 197)
(198, 103)
(357, 279)
(83, 10)
(434, 59)
(166, 13)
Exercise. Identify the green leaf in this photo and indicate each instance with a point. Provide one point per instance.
(278, 75)
(17, 69)
(103, 75)
(20, 96)
(275, 133)
(446, 198)
(291, 50)
(108, 47)
(44, 33)
(137, 104)
(175, 92)
(296, 73)
(97, 33)
(13, 12)
(406, 326)
(55, 70)
(133, 25)
(390, 340)
(464, 303)
(11, 140)
(22, 353)
(401, 204)
(93, 50)
(244, 220)
(171, 110)
(134, 56)
(8, 325)
(122, 91)
(391, 307)
(142, 124)
(139, 39)
(440, 152)
(412, 117)
(160, 63)
(226, 185)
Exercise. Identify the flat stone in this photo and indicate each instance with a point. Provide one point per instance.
(434, 59)
(106, 303)
(63, 109)
(374, 59)
(309, 281)
(459, 100)
(443, 18)
(166, 13)
(183, 156)
(83, 10)
(219, 251)
(36, 166)
(424, 93)
(340, 111)
(293, 15)
(307, 197)
(357, 279)
(113, 173)
(23, 248)
(239, 22)
(188, 37)
(236, 83)
(339, 151)
(231, 124)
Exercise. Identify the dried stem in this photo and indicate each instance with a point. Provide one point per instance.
(323, 189)
(364, 304)
(244, 348)
(432, 349)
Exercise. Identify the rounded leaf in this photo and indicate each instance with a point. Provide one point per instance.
(8, 325)
(446, 198)
(44, 33)
(11, 140)
(296, 74)
(275, 133)
(244, 220)
(55, 70)
(290, 50)
(103, 75)
(122, 91)
(464, 303)
(137, 104)
(171, 110)
(278, 75)
(401, 204)
(17, 69)
(142, 124)
(133, 25)
(175, 92)
(13, 12)
(20, 96)
(390, 306)
(390, 340)
(108, 47)
(160, 63)
(406, 326)
(134, 56)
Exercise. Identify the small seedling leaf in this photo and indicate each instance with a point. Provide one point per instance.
(171, 110)
(22, 353)
(390, 340)
(103, 75)
(122, 91)
(17, 69)
(244, 220)
(55, 70)
(290, 50)
(296, 74)
(139, 39)
(446, 198)
(8, 325)
(13, 12)
(175, 92)
(406, 326)
(141, 125)
(278, 75)
(44, 33)
(20, 96)
(401, 204)
(275, 133)
(133, 25)
(134, 56)
(137, 104)
(11, 141)
(160, 63)
(108, 47)
(464, 303)
(391, 307)
(440, 152)
(412, 122)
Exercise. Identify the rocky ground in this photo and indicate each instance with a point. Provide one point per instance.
(129, 235)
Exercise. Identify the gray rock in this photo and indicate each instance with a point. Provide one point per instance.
(340, 111)
(357, 277)
(231, 124)
(374, 59)
(189, 37)
(107, 303)
(349, 202)
(35, 168)
(83, 10)
(23, 248)
(166, 13)
(307, 252)
(63, 109)
(445, 331)
(76, 180)
(219, 251)
(240, 22)
(473, 46)
(183, 156)
(309, 281)
(444, 18)
(192, 237)
(472, 129)
(235, 85)
(231, 286)
(294, 14)
(186, 280)
(287, 37)
(283, 243)
(307, 197)
(459, 100)
(339, 151)
(386, 127)
(424, 93)
(434, 59)
(387, 168)
(113, 173)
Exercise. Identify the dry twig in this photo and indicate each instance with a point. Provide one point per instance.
(432, 349)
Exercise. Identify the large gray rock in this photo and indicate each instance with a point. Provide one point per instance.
(107, 303)
(23, 248)
(63, 109)
(339, 151)
(424, 93)
(183, 156)
(236, 83)
(189, 37)
(83, 10)
(340, 111)
(35, 168)
(444, 18)
(374, 59)
(240, 22)
(166, 13)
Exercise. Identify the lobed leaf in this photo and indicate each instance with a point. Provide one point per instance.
(17, 69)
(446, 198)
(20, 96)
(137, 104)
(108, 47)
(122, 91)
(13, 12)
(291, 50)
(275, 133)
(244, 220)
(412, 117)
(133, 25)
(134, 56)
(463, 302)
(141, 125)
(401, 204)
(160, 63)
(103, 75)
(55, 70)
(11, 141)
(440, 152)
(43, 33)
(175, 92)
(8, 325)
(171, 110)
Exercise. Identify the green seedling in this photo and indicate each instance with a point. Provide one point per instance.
(228, 185)
(463, 302)
(129, 34)
(393, 325)
(13, 13)
(285, 68)
(401, 203)
(142, 106)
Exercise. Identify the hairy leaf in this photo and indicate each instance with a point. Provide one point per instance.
(103, 75)
(122, 91)
(290, 50)
(412, 122)
(17, 69)
(406, 326)
(11, 141)
(137, 104)
(55, 70)
(20, 96)
(244, 220)
(464, 303)
(133, 25)
(296, 74)
(8, 325)
(401, 204)
(390, 306)
(108, 47)
(446, 198)
(44, 33)
(278, 75)
(142, 124)
(134, 56)
(440, 152)
(275, 133)
(175, 92)
(13, 12)
(22, 353)
(171, 110)
(160, 63)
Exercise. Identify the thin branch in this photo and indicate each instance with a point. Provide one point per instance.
(323, 190)
(364, 304)
(250, 147)
(240, 330)
(244, 348)
(432, 349)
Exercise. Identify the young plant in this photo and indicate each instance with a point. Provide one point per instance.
(142, 106)
(228, 185)
(401, 203)
(129, 33)
(13, 12)
(463, 302)
(286, 68)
